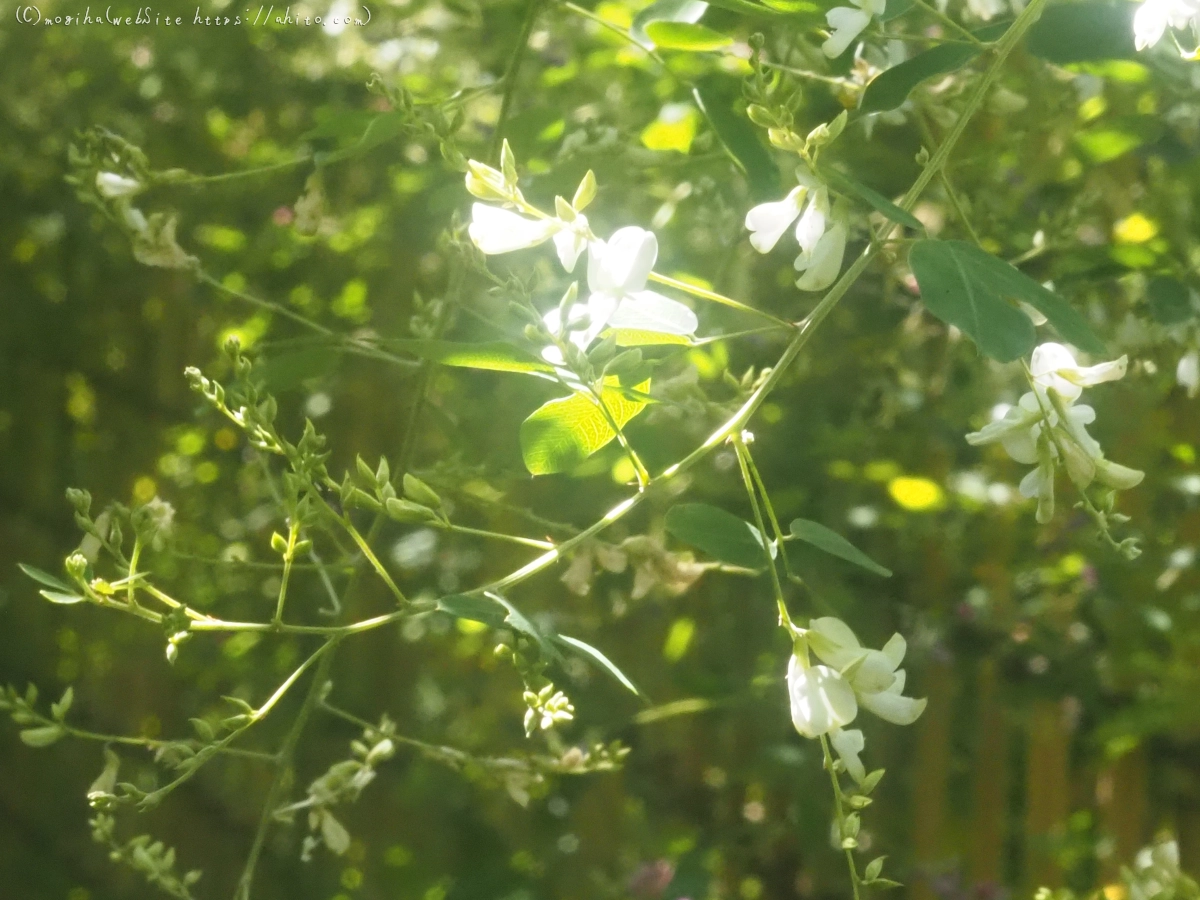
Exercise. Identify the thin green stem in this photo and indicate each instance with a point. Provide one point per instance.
(495, 535)
(510, 75)
(283, 776)
(197, 762)
(780, 538)
(739, 446)
(289, 554)
(840, 812)
(164, 180)
(949, 22)
(713, 296)
(367, 552)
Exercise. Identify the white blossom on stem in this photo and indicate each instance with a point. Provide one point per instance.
(1153, 17)
(848, 23)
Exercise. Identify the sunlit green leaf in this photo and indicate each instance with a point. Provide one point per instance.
(45, 578)
(563, 433)
(496, 356)
(666, 11)
(686, 36)
(831, 542)
(62, 598)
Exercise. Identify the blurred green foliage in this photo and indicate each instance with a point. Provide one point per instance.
(326, 183)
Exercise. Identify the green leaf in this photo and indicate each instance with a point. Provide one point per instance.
(477, 609)
(635, 337)
(831, 542)
(891, 88)
(563, 433)
(665, 11)
(872, 198)
(717, 533)
(599, 658)
(738, 137)
(1078, 32)
(45, 578)
(1169, 300)
(495, 612)
(971, 289)
(789, 8)
(42, 736)
(495, 356)
(62, 598)
(686, 36)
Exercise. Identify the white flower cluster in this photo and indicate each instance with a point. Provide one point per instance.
(1046, 428)
(1153, 17)
(825, 697)
(820, 233)
(617, 268)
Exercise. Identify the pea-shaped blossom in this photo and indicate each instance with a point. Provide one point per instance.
(821, 699)
(848, 23)
(1153, 17)
(826, 697)
(618, 298)
(1053, 366)
(874, 675)
(820, 233)
(497, 230)
(808, 202)
(1046, 428)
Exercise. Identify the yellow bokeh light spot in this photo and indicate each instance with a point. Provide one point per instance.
(679, 638)
(623, 471)
(1115, 892)
(916, 494)
(1135, 229)
(144, 489)
(470, 626)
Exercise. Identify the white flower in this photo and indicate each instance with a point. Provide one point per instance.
(1053, 366)
(848, 744)
(617, 273)
(571, 240)
(495, 230)
(875, 676)
(1152, 18)
(808, 201)
(848, 23)
(821, 699)
(822, 265)
(768, 221)
(1187, 373)
(112, 185)
(1015, 430)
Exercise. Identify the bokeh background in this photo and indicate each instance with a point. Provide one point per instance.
(1062, 732)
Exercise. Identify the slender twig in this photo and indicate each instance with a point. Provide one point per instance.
(510, 75)
(284, 774)
(739, 446)
(840, 812)
(949, 22)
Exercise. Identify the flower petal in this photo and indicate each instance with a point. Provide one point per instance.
(826, 260)
(821, 700)
(651, 311)
(495, 230)
(848, 745)
(893, 707)
(625, 261)
(768, 221)
(847, 24)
